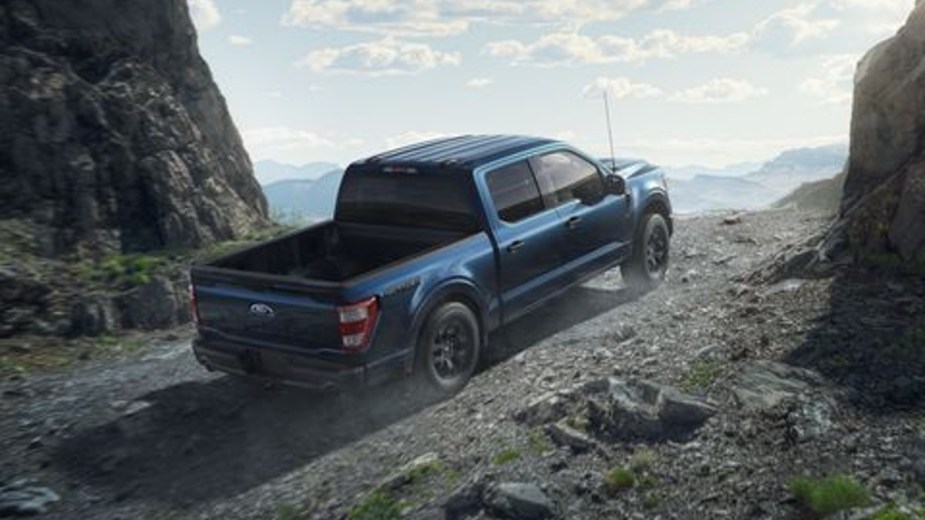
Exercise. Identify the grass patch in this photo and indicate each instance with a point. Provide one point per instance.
(538, 443)
(701, 375)
(119, 344)
(579, 422)
(619, 479)
(122, 270)
(651, 501)
(377, 505)
(422, 471)
(506, 456)
(10, 367)
(892, 513)
(287, 512)
(641, 460)
(827, 496)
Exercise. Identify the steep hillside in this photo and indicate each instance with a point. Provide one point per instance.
(824, 195)
(113, 136)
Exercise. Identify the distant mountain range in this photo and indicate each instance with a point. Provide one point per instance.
(302, 199)
(268, 172)
(299, 194)
(752, 185)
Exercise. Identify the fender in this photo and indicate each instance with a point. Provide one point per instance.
(459, 287)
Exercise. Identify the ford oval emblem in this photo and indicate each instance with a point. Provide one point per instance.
(262, 310)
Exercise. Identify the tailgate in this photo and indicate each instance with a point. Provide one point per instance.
(244, 307)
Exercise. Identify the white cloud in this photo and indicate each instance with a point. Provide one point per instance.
(818, 21)
(720, 90)
(479, 82)
(620, 88)
(571, 48)
(386, 57)
(293, 145)
(835, 83)
(405, 18)
(411, 137)
(238, 40)
(795, 25)
(205, 14)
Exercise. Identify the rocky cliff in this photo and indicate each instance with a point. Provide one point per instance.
(113, 135)
(883, 205)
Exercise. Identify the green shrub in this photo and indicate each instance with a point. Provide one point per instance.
(701, 375)
(538, 443)
(287, 512)
(377, 505)
(827, 496)
(619, 479)
(506, 456)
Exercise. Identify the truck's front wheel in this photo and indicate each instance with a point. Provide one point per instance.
(448, 348)
(646, 268)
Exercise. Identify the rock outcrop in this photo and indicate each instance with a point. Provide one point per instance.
(883, 205)
(113, 135)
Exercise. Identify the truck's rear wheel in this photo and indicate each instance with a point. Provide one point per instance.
(448, 348)
(647, 267)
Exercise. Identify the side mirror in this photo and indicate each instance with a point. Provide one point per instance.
(614, 184)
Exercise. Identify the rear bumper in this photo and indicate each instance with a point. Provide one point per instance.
(285, 367)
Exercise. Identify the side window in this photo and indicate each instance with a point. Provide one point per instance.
(514, 192)
(565, 177)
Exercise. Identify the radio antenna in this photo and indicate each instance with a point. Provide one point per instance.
(613, 157)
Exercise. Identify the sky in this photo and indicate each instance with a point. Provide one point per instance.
(706, 82)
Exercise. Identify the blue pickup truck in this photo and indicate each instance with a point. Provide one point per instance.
(431, 247)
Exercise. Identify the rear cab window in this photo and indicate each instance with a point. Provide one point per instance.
(408, 197)
(514, 192)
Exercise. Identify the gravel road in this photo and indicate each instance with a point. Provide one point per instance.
(154, 436)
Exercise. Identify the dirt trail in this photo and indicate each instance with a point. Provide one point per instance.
(157, 437)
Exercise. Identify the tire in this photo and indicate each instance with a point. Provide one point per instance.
(448, 348)
(647, 267)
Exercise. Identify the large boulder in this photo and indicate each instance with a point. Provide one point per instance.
(883, 204)
(113, 135)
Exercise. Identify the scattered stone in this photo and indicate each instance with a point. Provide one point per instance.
(785, 286)
(92, 316)
(725, 260)
(643, 410)
(688, 276)
(766, 384)
(406, 473)
(518, 501)
(463, 503)
(21, 498)
(732, 220)
(564, 435)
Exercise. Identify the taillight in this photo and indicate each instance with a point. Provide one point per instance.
(356, 324)
(194, 305)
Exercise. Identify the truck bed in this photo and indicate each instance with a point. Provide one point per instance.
(335, 251)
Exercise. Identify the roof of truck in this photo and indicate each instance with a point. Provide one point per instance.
(469, 151)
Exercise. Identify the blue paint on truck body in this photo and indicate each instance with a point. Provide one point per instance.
(272, 310)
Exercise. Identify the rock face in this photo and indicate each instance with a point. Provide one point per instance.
(884, 197)
(113, 136)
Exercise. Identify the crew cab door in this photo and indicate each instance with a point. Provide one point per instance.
(597, 231)
(529, 237)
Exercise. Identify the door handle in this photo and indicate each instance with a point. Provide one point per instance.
(573, 222)
(515, 246)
